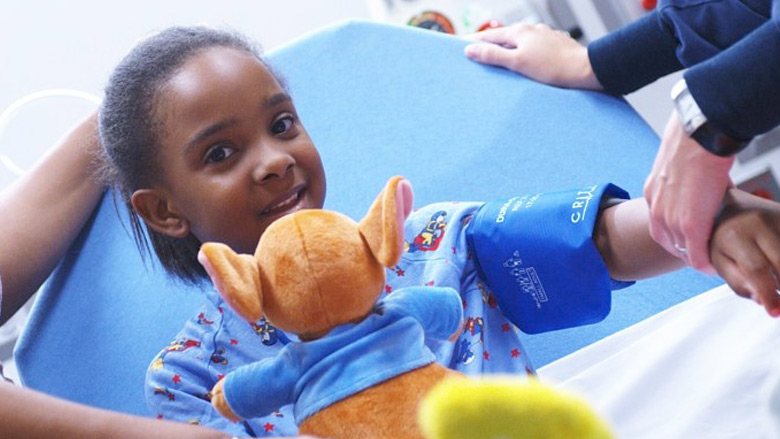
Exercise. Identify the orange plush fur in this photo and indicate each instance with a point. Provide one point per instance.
(312, 271)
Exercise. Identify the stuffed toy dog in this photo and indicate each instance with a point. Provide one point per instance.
(361, 366)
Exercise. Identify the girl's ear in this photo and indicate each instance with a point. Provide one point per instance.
(383, 225)
(158, 214)
(236, 277)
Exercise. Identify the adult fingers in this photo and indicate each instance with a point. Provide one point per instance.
(695, 238)
(490, 54)
(659, 229)
(675, 228)
(504, 36)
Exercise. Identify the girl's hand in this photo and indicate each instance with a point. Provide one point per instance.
(745, 247)
(538, 52)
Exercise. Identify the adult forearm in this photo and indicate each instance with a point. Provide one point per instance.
(43, 213)
(31, 415)
(623, 239)
(634, 55)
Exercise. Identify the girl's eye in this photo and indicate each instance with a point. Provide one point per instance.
(282, 125)
(218, 153)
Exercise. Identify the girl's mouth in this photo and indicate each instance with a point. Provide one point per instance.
(288, 202)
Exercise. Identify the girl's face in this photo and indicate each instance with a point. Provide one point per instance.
(235, 157)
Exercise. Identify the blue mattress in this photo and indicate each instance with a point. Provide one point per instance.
(378, 100)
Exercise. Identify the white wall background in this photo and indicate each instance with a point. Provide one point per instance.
(76, 43)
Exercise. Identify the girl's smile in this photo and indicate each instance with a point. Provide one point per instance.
(286, 203)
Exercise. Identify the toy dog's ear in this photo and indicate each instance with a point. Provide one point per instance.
(236, 277)
(383, 225)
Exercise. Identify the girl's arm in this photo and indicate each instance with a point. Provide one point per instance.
(623, 238)
(43, 212)
(28, 414)
(744, 246)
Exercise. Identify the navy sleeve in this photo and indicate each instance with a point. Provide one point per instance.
(732, 50)
(680, 33)
(703, 29)
(738, 89)
(635, 55)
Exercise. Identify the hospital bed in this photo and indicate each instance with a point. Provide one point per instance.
(377, 100)
(705, 368)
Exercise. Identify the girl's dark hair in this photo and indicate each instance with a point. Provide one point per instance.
(131, 132)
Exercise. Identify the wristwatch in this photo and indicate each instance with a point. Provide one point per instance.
(697, 126)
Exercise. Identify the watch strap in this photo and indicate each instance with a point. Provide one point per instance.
(696, 125)
(716, 142)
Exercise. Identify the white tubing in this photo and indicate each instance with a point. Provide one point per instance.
(6, 115)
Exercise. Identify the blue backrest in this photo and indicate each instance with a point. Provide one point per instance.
(378, 100)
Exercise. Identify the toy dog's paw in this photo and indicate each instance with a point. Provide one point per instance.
(507, 408)
(220, 403)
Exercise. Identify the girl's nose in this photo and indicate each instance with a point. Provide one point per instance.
(272, 163)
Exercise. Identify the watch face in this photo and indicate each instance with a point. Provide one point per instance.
(690, 115)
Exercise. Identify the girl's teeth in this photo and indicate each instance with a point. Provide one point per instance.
(284, 203)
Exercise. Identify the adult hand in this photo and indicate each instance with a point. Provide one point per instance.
(745, 247)
(684, 192)
(538, 52)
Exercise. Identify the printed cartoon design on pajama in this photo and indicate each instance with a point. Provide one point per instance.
(431, 235)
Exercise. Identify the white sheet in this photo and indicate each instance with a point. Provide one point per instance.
(701, 369)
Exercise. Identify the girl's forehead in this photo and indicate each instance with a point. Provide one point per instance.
(220, 65)
(215, 83)
(211, 88)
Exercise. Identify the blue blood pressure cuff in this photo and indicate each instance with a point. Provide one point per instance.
(537, 255)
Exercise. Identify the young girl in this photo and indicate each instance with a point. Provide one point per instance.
(204, 144)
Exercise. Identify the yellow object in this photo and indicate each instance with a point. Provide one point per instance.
(507, 408)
